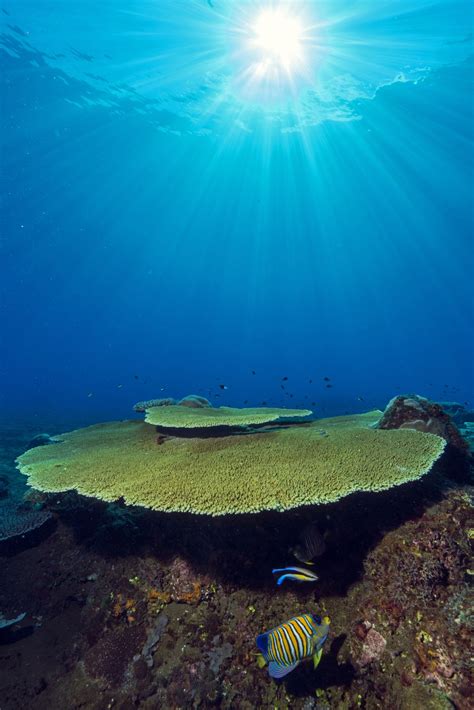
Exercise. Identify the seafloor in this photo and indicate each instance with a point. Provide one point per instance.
(126, 608)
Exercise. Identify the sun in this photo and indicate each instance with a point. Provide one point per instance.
(273, 51)
(279, 37)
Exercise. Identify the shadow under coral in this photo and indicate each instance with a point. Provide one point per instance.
(241, 550)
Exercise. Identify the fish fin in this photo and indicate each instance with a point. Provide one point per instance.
(262, 643)
(276, 670)
(296, 578)
(317, 657)
(261, 662)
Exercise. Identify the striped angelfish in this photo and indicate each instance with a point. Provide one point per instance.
(285, 646)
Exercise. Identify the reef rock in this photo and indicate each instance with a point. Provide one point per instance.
(194, 401)
(415, 412)
(40, 440)
(372, 648)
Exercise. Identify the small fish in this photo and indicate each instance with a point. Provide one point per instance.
(91, 394)
(253, 372)
(328, 386)
(284, 379)
(327, 379)
(282, 386)
(299, 574)
(119, 387)
(284, 647)
(360, 399)
(310, 382)
(135, 377)
(223, 387)
(312, 542)
(263, 403)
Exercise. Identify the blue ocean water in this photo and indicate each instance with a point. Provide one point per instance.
(179, 211)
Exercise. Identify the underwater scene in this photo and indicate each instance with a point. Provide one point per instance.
(236, 354)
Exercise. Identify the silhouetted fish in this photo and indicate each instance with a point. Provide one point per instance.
(312, 543)
(326, 379)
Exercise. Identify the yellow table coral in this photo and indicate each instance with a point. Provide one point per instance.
(183, 417)
(244, 473)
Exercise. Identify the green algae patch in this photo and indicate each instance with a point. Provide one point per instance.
(245, 473)
(185, 417)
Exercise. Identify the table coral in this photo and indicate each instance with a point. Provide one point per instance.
(188, 415)
(281, 469)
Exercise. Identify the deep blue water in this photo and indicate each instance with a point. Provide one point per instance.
(170, 224)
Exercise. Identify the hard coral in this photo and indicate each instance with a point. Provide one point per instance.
(161, 402)
(194, 401)
(16, 522)
(415, 412)
(192, 416)
(281, 469)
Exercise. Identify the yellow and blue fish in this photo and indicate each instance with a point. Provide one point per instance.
(285, 646)
(299, 574)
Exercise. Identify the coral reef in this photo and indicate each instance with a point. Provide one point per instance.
(17, 522)
(161, 402)
(281, 469)
(135, 608)
(40, 440)
(415, 412)
(190, 416)
(194, 401)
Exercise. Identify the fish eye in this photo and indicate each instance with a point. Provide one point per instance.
(317, 619)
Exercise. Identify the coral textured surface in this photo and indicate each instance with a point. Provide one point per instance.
(239, 473)
(152, 609)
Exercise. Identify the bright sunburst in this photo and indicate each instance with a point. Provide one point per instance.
(279, 37)
(273, 52)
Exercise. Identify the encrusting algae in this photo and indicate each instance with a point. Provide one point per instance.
(245, 473)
